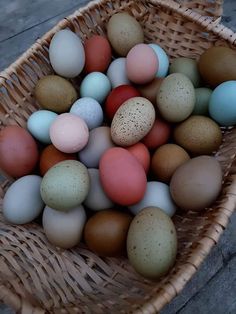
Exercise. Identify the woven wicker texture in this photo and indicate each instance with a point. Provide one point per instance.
(35, 277)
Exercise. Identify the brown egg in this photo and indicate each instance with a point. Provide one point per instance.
(50, 156)
(150, 90)
(197, 183)
(198, 135)
(167, 159)
(105, 233)
(217, 65)
(18, 151)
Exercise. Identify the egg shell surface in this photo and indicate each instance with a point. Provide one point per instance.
(163, 60)
(117, 73)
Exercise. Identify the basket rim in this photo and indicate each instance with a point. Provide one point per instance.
(178, 281)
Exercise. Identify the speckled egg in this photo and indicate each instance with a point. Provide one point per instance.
(152, 243)
(176, 97)
(132, 121)
(65, 185)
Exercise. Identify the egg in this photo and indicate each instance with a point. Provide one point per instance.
(97, 54)
(176, 97)
(105, 232)
(117, 97)
(66, 54)
(217, 65)
(166, 160)
(18, 151)
(96, 198)
(124, 32)
(65, 185)
(117, 73)
(95, 85)
(64, 229)
(22, 202)
(55, 93)
(141, 64)
(163, 60)
(203, 95)
(89, 110)
(222, 104)
(158, 135)
(122, 176)
(157, 194)
(152, 243)
(188, 67)
(150, 90)
(198, 135)
(197, 183)
(141, 153)
(51, 156)
(99, 141)
(69, 133)
(39, 124)
(132, 121)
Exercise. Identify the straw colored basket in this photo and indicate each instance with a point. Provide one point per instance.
(35, 277)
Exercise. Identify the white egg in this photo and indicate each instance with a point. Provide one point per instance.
(163, 60)
(89, 110)
(66, 54)
(117, 73)
(22, 202)
(39, 125)
(157, 195)
(64, 229)
(96, 198)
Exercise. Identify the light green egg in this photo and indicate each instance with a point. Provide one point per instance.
(65, 185)
(203, 96)
(152, 243)
(187, 67)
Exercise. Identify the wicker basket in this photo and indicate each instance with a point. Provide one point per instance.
(35, 277)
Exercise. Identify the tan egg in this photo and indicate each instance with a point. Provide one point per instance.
(150, 90)
(167, 159)
(132, 121)
(124, 32)
(198, 135)
(176, 97)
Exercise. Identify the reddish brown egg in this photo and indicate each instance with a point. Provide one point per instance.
(141, 153)
(18, 151)
(105, 233)
(97, 54)
(50, 156)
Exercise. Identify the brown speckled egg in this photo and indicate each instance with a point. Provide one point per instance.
(132, 121)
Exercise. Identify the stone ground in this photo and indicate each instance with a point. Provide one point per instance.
(213, 288)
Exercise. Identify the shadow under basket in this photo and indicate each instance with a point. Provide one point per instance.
(35, 277)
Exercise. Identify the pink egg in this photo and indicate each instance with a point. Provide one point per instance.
(69, 133)
(141, 64)
(141, 153)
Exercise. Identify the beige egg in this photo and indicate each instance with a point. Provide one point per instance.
(198, 135)
(176, 97)
(132, 121)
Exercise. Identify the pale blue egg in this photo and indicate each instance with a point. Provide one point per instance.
(163, 60)
(95, 85)
(39, 124)
(222, 106)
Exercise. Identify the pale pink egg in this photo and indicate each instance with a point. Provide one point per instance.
(69, 133)
(141, 64)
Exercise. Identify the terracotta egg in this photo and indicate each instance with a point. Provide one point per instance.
(50, 156)
(18, 151)
(97, 54)
(141, 153)
(158, 135)
(151, 89)
(105, 233)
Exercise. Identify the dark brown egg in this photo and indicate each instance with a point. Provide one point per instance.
(105, 233)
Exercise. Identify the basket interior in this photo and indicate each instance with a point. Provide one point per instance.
(50, 278)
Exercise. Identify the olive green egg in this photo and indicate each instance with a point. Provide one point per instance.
(203, 95)
(65, 185)
(152, 243)
(188, 67)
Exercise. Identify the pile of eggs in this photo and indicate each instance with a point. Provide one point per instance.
(110, 163)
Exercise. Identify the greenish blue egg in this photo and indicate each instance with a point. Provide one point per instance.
(203, 96)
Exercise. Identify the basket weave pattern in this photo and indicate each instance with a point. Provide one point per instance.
(34, 275)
